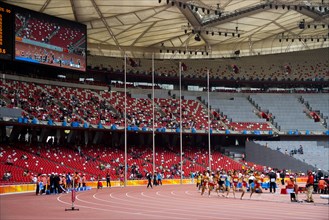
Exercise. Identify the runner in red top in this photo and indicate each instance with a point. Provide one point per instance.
(235, 179)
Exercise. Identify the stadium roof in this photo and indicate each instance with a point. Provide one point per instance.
(141, 27)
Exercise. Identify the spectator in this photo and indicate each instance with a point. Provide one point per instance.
(10, 160)
(24, 157)
(25, 173)
(322, 185)
(6, 176)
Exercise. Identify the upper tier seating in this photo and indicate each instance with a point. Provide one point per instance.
(288, 113)
(139, 111)
(312, 65)
(193, 113)
(31, 99)
(240, 112)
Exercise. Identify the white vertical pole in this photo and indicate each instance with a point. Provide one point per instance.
(180, 123)
(209, 141)
(125, 118)
(153, 114)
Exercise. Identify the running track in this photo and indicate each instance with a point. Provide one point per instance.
(163, 202)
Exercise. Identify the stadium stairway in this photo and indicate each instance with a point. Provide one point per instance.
(253, 103)
(308, 111)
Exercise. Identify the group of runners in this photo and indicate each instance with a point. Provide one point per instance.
(223, 182)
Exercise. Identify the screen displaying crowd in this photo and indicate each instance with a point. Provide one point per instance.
(48, 40)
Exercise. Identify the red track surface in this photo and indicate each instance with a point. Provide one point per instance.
(164, 202)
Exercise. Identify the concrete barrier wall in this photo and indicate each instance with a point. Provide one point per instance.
(259, 154)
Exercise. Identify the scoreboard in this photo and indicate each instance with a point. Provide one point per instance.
(6, 31)
(41, 39)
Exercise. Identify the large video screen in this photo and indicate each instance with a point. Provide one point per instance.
(6, 31)
(48, 40)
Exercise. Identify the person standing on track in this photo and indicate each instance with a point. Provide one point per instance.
(155, 179)
(309, 187)
(108, 179)
(149, 180)
(272, 177)
(159, 178)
